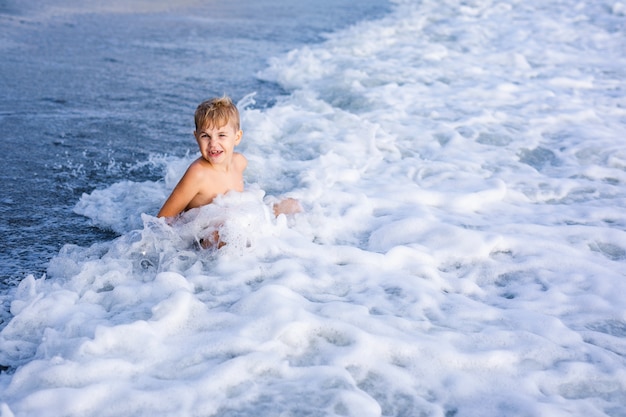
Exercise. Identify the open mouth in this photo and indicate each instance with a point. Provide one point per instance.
(215, 153)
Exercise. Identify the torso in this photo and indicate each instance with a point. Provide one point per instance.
(215, 182)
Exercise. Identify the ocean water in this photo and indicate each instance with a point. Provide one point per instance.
(462, 249)
(94, 93)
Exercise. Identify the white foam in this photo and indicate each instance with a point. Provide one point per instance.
(461, 252)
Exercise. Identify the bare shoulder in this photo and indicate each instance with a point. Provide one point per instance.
(197, 173)
(185, 192)
(240, 161)
(197, 169)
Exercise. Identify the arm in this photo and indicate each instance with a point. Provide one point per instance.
(183, 193)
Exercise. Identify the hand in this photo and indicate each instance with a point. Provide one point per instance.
(287, 206)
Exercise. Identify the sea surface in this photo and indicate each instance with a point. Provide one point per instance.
(462, 248)
(92, 92)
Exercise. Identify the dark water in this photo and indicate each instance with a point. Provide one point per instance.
(88, 95)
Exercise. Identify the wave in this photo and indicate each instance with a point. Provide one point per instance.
(461, 250)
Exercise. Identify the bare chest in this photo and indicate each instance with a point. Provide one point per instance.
(214, 185)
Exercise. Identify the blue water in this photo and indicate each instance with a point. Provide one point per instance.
(88, 95)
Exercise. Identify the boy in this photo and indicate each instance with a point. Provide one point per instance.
(219, 169)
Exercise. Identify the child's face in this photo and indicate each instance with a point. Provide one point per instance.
(217, 144)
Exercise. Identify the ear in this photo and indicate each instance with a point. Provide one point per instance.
(239, 136)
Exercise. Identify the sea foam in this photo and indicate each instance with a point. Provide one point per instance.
(460, 252)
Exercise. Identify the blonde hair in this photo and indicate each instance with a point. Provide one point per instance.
(216, 112)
